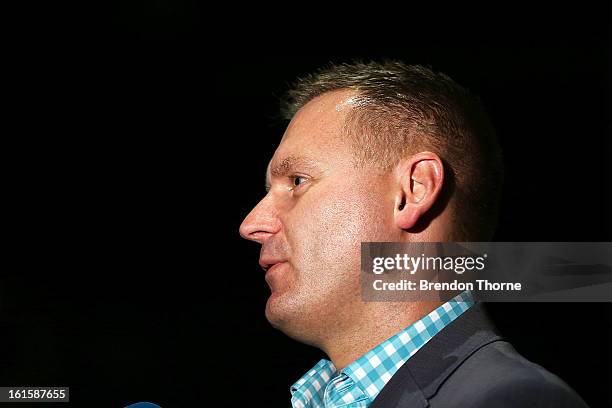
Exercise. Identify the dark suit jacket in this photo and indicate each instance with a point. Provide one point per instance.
(468, 365)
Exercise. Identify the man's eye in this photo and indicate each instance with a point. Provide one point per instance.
(298, 180)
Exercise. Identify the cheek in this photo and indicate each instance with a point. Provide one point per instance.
(331, 227)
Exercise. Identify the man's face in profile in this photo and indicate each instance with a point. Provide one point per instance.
(318, 209)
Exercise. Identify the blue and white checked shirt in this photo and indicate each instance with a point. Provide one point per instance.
(359, 383)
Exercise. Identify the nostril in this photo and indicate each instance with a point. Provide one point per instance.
(258, 236)
(259, 224)
(253, 231)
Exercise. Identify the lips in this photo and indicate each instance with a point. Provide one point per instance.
(268, 263)
(274, 266)
(271, 276)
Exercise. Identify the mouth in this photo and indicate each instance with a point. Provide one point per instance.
(267, 264)
(271, 268)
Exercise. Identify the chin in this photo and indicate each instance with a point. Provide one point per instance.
(290, 318)
(277, 313)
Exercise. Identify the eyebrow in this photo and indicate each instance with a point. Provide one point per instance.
(288, 165)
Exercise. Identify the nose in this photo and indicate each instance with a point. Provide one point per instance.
(261, 223)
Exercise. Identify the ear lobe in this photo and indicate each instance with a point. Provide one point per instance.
(420, 179)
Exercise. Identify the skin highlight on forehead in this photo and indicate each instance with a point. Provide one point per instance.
(352, 102)
(314, 135)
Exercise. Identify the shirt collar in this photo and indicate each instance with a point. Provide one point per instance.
(363, 379)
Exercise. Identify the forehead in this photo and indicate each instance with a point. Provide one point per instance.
(315, 135)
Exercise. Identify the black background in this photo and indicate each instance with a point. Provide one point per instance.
(139, 149)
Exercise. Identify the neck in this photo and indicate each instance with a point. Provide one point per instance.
(382, 321)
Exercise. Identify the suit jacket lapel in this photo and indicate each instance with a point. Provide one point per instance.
(421, 376)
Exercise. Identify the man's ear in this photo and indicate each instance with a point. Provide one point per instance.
(419, 183)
